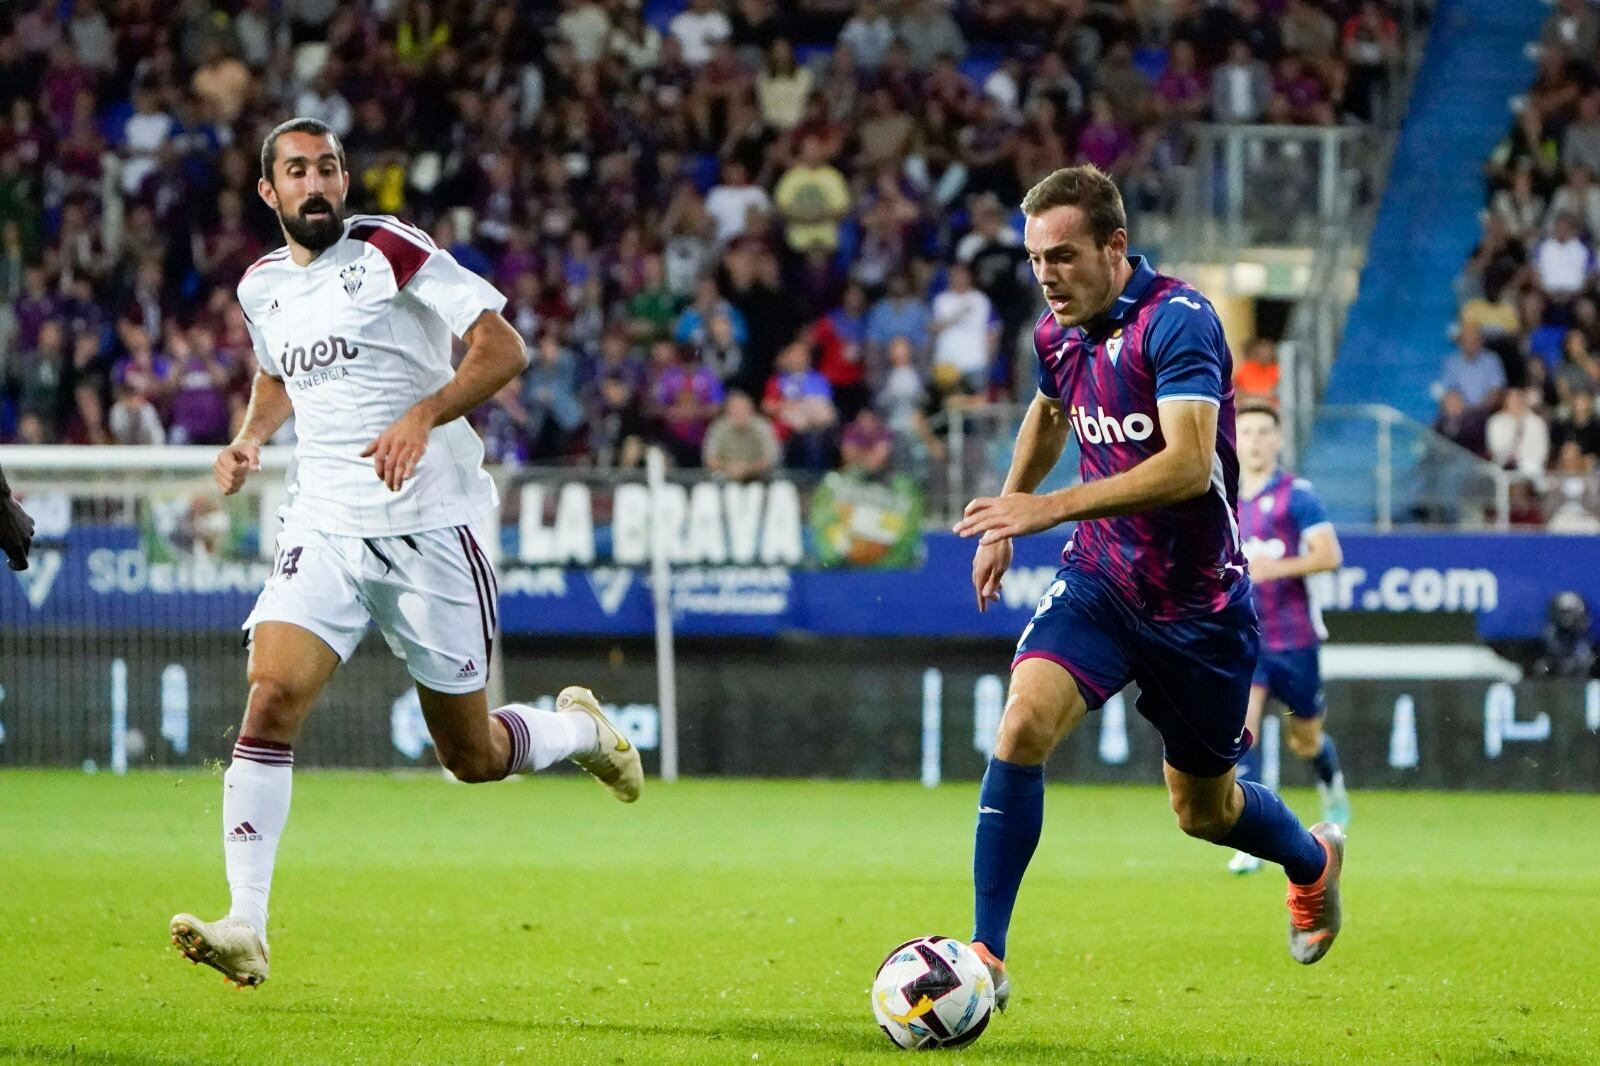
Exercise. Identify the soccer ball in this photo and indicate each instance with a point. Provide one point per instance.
(932, 992)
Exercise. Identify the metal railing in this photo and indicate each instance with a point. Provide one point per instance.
(1419, 478)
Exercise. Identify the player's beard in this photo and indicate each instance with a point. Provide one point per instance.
(315, 234)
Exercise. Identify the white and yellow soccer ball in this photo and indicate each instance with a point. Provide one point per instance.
(932, 992)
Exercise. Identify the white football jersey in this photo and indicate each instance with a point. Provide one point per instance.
(358, 336)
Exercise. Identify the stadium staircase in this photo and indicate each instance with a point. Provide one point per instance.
(1396, 335)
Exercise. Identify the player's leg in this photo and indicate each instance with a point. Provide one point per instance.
(1068, 661)
(1307, 738)
(448, 648)
(1194, 680)
(476, 744)
(289, 666)
(1249, 766)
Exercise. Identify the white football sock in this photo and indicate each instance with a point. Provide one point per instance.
(543, 738)
(255, 808)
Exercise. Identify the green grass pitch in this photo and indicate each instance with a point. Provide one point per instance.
(736, 922)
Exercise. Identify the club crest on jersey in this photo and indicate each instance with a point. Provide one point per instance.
(1266, 505)
(1114, 346)
(352, 276)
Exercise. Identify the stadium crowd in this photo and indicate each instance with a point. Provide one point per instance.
(1520, 386)
(758, 233)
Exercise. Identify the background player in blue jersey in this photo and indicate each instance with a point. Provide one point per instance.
(1287, 536)
(1152, 586)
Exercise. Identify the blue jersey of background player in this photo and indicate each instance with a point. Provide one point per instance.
(1287, 536)
(1152, 587)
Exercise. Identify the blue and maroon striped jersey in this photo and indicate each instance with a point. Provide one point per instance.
(1161, 340)
(1274, 523)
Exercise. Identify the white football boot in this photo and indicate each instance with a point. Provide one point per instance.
(231, 946)
(614, 762)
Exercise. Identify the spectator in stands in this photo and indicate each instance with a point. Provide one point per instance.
(201, 376)
(963, 329)
(1309, 31)
(618, 428)
(1517, 439)
(1371, 47)
(813, 197)
(133, 418)
(928, 33)
(1256, 375)
(686, 397)
(1241, 87)
(867, 445)
(1571, 30)
(40, 381)
(1462, 424)
(800, 402)
(1580, 145)
(1578, 425)
(741, 444)
(1579, 370)
(719, 349)
(550, 397)
(899, 314)
(737, 204)
(1473, 371)
(698, 28)
(1573, 498)
(868, 34)
(1578, 197)
(840, 340)
(1564, 261)
(782, 87)
(694, 324)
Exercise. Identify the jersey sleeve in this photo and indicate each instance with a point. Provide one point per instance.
(451, 291)
(1042, 373)
(1187, 350)
(1305, 507)
(269, 366)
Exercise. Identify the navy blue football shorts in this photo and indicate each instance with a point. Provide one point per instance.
(1294, 679)
(1193, 674)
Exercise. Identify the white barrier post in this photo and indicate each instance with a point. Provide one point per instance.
(661, 594)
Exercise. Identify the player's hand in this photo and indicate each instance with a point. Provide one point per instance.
(997, 517)
(16, 532)
(1263, 569)
(235, 462)
(396, 453)
(989, 565)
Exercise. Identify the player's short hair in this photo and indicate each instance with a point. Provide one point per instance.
(1260, 407)
(1087, 188)
(314, 126)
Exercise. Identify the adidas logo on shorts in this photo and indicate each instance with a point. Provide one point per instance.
(468, 670)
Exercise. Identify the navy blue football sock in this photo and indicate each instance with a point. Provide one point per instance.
(1010, 817)
(1248, 768)
(1269, 830)
(1326, 761)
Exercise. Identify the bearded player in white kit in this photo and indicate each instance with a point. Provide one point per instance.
(352, 323)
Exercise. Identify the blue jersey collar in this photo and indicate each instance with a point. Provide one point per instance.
(1139, 282)
(1274, 479)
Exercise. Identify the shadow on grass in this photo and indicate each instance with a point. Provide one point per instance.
(71, 1053)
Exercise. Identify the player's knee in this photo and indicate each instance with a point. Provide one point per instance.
(1305, 743)
(274, 710)
(473, 766)
(1202, 821)
(1028, 732)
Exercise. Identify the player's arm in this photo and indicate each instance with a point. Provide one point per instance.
(1319, 552)
(1040, 442)
(16, 528)
(1180, 471)
(495, 355)
(269, 408)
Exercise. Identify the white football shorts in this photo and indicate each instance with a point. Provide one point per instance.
(432, 594)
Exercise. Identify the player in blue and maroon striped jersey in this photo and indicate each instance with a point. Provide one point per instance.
(1152, 586)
